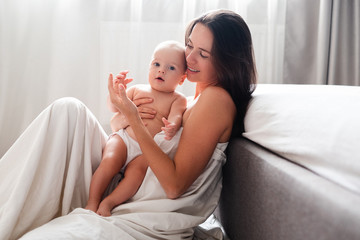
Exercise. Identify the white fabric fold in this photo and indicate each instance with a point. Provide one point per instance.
(46, 174)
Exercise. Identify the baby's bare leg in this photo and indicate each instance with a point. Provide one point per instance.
(133, 176)
(114, 157)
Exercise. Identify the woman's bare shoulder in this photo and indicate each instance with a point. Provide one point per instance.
(216, 96)
(212, 114)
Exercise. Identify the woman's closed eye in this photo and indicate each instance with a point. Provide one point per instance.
(204, 54)
(189, 46)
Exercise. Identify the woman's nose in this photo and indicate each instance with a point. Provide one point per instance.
(189, 57)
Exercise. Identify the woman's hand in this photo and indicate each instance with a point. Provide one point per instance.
(119, 98)
(119, 121)
(145, 112)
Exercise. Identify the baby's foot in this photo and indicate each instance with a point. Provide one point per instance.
(104, 209)
(92, 205)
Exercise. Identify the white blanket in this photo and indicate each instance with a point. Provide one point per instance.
(46, 174)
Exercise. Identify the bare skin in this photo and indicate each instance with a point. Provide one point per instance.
(162, 103)
(133, 177)
(166, 72)
(207, 121)
(170, 107)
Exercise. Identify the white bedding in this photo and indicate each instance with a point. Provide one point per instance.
(315, 126)
(47, 172)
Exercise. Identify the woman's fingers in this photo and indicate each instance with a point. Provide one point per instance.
(116, 93)
(122, 93)
(146, 115)
(145, 112)
(125, 105)
(110, 83)
(141, 101)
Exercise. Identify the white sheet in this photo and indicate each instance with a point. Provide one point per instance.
(315, 126)
(47, 174)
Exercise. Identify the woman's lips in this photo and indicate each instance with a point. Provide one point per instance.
(192, 70)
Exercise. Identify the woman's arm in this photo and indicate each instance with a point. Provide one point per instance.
(111, 106)
(209, 122)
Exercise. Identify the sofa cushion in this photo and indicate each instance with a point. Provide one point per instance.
(316, 126)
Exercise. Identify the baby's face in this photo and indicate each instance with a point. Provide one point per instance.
(167, 69)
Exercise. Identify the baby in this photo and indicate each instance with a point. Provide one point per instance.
(166, 72)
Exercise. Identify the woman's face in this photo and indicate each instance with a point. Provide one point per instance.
(199, 57)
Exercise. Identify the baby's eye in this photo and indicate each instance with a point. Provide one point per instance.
(156, 64)
(172, 68)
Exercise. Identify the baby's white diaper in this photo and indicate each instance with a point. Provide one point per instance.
(133, 148)
(169, 147)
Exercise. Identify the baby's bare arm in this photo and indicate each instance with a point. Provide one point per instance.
(174, 121)
(177, 110)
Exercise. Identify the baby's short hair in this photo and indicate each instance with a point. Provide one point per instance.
(172, 44)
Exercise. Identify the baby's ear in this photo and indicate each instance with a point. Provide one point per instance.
(182, 79)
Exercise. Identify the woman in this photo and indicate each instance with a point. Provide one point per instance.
(220, 61)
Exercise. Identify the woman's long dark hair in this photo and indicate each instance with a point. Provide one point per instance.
(233, 58)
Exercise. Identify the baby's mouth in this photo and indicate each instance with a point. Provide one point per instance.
(160, 79)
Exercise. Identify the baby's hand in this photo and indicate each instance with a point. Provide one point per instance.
(169, 129)
(121, 78)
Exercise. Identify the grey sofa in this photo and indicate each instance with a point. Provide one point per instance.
(266, 196)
